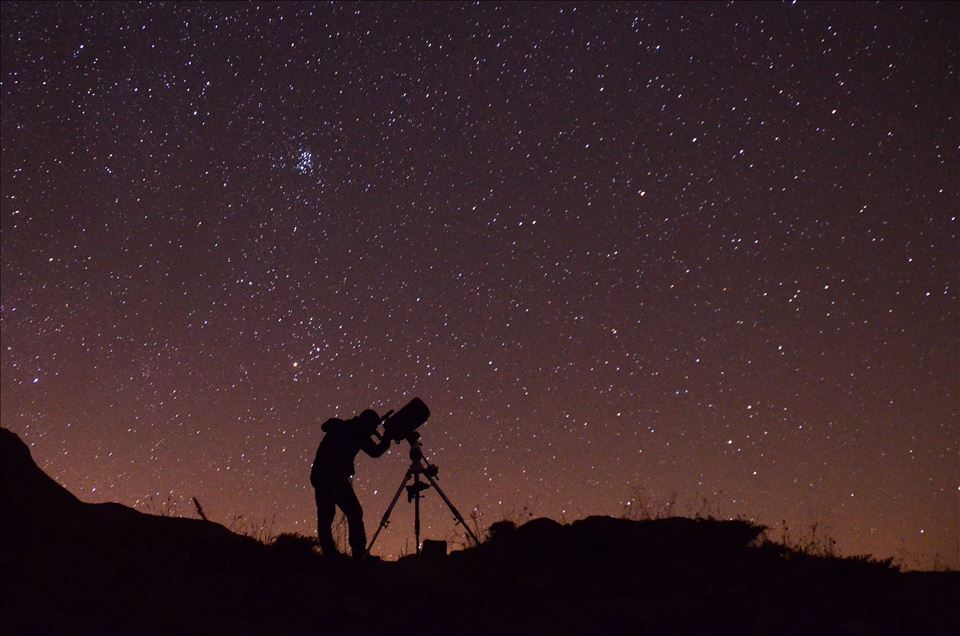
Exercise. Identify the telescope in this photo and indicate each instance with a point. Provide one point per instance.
(402, 424)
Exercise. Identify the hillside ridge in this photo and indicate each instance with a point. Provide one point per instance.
(74, 567)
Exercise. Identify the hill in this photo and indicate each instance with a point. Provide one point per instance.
(73, 567)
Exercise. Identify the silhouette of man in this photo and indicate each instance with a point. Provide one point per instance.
(332, 473)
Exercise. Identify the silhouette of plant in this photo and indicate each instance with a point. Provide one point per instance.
(519, 517)
(294, 546)
(640, 507)
(940, 564)
(815, 542)
(262, 531)
(165, 508)
(707, 508)
(199, 509)
(476, 521)
(458, 538)
(819, 543)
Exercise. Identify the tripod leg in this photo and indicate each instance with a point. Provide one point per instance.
(386, 515)
(416, 510)
(453, 509)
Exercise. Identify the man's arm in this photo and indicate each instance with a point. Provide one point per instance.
(374, 449)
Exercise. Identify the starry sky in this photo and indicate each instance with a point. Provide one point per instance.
(637, 258)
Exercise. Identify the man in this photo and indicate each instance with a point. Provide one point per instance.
(332, 473)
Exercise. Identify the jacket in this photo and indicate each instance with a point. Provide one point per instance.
(341, 442)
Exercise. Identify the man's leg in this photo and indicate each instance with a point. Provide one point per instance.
(326, 509)
(348, 502)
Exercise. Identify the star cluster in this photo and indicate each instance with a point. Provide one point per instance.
(638, 259)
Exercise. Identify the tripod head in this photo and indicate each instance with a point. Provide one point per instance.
(418, 466)
(418, 461)
(416, 446)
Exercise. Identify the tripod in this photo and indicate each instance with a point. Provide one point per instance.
(419, 468)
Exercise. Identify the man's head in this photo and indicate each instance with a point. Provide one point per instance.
(368, 421)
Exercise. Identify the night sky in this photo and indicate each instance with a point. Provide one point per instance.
(627, 254)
